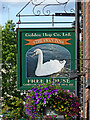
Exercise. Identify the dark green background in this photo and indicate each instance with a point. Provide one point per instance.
(22, 80)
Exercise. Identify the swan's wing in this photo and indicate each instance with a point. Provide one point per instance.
(53, 66)
(58, 63)
(54, 61)
(50, 67)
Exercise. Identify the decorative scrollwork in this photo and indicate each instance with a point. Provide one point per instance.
(34, 2)
(38, 11)
(41, 7)
(72, 10)
(35, 5)
(45, 6)
(47, 11)
(62, 3)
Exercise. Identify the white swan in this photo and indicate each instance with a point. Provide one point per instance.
(47, 68)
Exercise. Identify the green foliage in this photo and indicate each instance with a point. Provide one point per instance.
(9, 60)
(9, 86)
(0, 43)
(13, 108)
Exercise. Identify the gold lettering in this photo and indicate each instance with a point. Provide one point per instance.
(46, 80)
(37, 80)
(32, 81)
(41, 81)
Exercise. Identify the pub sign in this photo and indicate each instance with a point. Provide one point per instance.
(44, 54)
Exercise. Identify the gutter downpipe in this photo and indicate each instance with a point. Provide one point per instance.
(76, 42)
(83, 58)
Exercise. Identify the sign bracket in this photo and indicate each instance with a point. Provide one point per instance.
(46, 12)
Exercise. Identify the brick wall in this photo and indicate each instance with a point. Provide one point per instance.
(87, 56)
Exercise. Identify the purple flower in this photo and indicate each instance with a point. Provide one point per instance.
(32, 97)
(40, 90)
(52, 80)
(40, 85)
(48, 96)
(45, 93)
(37, 101)
(55, 89)
(52, 91)
(51, 83)
(36, 97)
(36, 88)
(32, 88)
(29, 90)
(55, 92)
(44, 99)
(27, 97)
(36, 94)
(44, 102)
(40, 98)
(43, 88)
(47, 88)
(49, 93)
(40, 94)
(59, 82)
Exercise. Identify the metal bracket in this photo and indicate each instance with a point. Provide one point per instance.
(41, 8)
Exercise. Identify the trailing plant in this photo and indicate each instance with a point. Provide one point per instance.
(41, 96)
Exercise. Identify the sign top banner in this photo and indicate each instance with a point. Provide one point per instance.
(48, 40)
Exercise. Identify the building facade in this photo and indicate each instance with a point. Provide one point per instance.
(85, 8)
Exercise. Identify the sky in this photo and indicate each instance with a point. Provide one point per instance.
(9, 9)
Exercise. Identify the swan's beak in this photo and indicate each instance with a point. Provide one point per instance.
(33, 54)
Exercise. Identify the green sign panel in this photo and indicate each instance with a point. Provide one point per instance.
(45, 54)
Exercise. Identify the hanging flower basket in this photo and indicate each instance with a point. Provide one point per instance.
(60, 101)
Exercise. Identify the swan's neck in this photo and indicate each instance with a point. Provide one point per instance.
(40, 60)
